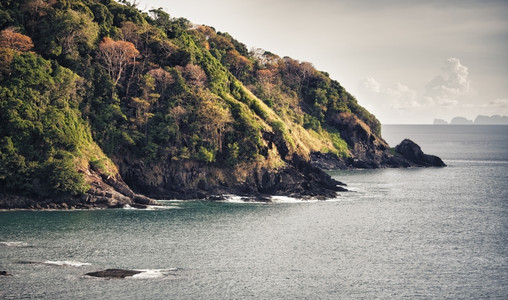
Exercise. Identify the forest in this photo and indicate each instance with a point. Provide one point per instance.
(91, 84)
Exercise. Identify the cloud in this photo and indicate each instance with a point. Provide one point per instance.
(402, 96)
(447, 89)
(398, 95)
(370, 84)
(497, 103)
(447, 94)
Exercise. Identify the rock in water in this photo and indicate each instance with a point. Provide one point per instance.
(114, 273)
(413, 153)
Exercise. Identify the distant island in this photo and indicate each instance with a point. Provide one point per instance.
(479, 120)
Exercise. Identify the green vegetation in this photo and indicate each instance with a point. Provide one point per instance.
(75, 74)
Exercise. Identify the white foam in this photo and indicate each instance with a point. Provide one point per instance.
(14, 244)
(164, 207)
(154, 273)
(69, 263)
(286, 199)
(236, 199)
(151, 207)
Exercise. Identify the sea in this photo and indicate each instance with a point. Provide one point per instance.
(416, 233)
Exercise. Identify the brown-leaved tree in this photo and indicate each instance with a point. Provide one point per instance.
(9, 38)
(117, 55)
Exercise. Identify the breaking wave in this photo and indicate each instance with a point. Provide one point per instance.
(155, 273)
(14, 244)
(68, 263)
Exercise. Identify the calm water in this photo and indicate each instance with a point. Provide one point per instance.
(402, 233)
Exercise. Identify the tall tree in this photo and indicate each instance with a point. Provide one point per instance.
(117, 55)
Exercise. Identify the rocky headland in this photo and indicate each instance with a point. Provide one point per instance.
(185, 112)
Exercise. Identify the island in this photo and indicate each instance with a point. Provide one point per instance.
(104, 105)
(479, 120)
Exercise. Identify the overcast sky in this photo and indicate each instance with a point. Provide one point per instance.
(408, 62)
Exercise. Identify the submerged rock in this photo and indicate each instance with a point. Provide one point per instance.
(114, 273)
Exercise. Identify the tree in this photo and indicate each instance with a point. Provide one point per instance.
(266, 79)
(265, 58)
(238, 64)
(296, 73)
(37, 8)
(161, 18)
(117, 55)
(305, 71)
(9, 38)
(195, 75)
(163, 79)
(213, 118)
(74, 28)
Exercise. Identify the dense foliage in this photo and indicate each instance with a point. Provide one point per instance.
(78, 72)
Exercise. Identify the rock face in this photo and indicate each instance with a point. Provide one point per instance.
(367, 149)
(194, 180)
(114, 273)
(413, 153)
(105, 192)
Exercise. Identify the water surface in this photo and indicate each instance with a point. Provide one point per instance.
(401, 233)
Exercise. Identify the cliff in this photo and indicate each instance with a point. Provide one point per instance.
(102, 103)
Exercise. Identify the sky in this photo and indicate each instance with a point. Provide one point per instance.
(407, 62)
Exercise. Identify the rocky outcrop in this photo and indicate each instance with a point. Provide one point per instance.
(195, 180)
(413, 153)
(105, 192)
(112, 191)
(369, 151)
(298, 179)
(407, 154)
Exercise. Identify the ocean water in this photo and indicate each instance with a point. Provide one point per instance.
(420, 233)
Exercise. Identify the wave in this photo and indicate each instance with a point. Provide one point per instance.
(68, 263)
(14, 244)
(163, 207)
(275, 200)
(286, 199)
(236, 199)
(155, 273)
